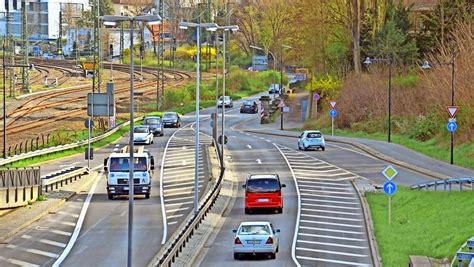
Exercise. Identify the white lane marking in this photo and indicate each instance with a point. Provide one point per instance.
(334, 252)
(331, 230)
(298, 215)
(333, 212)
(69, 165)
(175, 216)
(98, 167)
(173, 222)
(68, 214)
(336, 189)
(181, 184)
(61, 222)
(327, 192)
(333, 224)
(330, 217)
(177, 199)
(19, 262)
(316, 195)
(249, 146)
(329, 201)
(178, 194)
(117, 145)
(348, 149)
(181, 188)
(180, 209)
(259, 161)
(327, 180)
(334, 261)
(331, 244)
(268, 141)
(184, 163)
(45, 241)
(180, 203)
(326, 183)
(34, 251)
(77, 228)
(59, 232)
(309, 174)
(330, 206)
(334, 237)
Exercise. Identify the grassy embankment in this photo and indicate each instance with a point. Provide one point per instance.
(434, 224)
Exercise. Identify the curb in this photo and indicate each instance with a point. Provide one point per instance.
(52, 209)
(371, 152)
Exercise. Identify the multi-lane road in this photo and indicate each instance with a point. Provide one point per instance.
(322, 223)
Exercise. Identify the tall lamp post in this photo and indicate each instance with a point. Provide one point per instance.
(274, 64)
(112, 21)
(198, 26)
(369, 61)
(282, 92)
(426, 65)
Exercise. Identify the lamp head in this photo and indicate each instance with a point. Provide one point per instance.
(426, 65)
(367, 61)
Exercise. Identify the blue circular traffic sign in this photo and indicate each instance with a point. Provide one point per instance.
(389, 188)
(332, 113)
(452, 126)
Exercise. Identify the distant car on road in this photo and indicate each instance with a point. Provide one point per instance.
(256, 238)
(263, 191)
(274, 88)
(311, 139)
(155, 123)
(142, 135)
(226, 101)
(171, 119)
(249, 106)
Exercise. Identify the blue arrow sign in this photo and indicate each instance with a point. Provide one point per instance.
(332, 113)
(389, 188)
(452, 126)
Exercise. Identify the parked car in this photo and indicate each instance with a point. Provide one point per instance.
(171, 119)
(249, 106)
(227, 101)
(142, 135)
(256, 238)
(274, 89)
(311, 139)
(263, 191)
(155, 123)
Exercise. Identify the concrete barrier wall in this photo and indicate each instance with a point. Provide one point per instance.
(18, 187)
(17, 197)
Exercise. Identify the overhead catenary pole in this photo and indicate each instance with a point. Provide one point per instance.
(196, 145)
(214, 130)
(223, 96)
(131, 185)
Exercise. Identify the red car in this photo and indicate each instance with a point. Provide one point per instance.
(263, 191)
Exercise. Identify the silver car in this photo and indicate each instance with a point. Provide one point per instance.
(256, 238)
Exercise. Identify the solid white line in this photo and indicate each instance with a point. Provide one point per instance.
(308, 174)
(326, 183)
(180, 209)
(334, 237)
(181, 188)
(181, 184)
(325, 187)
(77, 228)
(330, 201)
(328, 180)
(45, 241)
(334, 212)
(333, 252)
(331, 230)
(329, 206)
(167, 181)
(316, 195)
(298, 215)
(331, 244)
(175, 216)
(331, 217)
(322, 172)
(334, 224)
(178, 194)
(334, 261)
(180, 203)
(327, 192)
(178, 198)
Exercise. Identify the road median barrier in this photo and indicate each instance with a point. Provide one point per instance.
(447, 184)
(56, 180)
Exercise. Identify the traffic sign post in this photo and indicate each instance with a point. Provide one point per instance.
(89, 123)
(332, 114)
(452, 127)
(389, 187)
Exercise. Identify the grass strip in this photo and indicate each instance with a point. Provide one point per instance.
(428, 223)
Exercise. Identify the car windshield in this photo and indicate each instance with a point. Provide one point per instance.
(314, 135)
(254, 230)
(153, 121)
(140, 130)
(169, 115)
(121, 164)
(226, 98)
(263, 185)
(248, 103)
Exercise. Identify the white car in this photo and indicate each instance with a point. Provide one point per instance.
(142, 135)
(311, 139)
(256, 238)
(227, 102)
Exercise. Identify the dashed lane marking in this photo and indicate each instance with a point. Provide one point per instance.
(44, 241)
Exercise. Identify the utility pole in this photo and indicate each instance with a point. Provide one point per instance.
(10, 49)
(99, 52)
(161, 56)
(121, 41)
(24, 71)
(58, 42)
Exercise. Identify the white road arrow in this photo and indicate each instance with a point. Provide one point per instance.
(259, 161)
(249, 146)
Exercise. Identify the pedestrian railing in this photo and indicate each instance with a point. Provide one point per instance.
(446, 184)
(58, 179)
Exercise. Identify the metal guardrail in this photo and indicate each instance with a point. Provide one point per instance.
(447, 184)
(59, 148)
(57, 179)
(468, 256)
(176, 246)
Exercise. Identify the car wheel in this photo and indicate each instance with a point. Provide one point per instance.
(236, 256)
(299, 147)
(161, 134)
(110, 196)
(323, 148)
(305, 148)
(272, 256)
(147, 195)
(247, 211)
(280, 210)
(278, 249)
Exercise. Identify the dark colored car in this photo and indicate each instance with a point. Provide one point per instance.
(171, 119)
(249, 106)
(263, 191)
(155, 124)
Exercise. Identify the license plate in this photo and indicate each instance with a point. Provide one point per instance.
(125, 188)
(263, 200)
(253, 241)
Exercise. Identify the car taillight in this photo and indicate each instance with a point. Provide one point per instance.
(237, 241)
(270, 240)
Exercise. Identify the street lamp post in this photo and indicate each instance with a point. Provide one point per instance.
(111, 21)
(369, 61)
(426, 65)
(282, 92)
(274, 64)
(198, 26)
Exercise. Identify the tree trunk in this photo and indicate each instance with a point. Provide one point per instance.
(356, 36)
